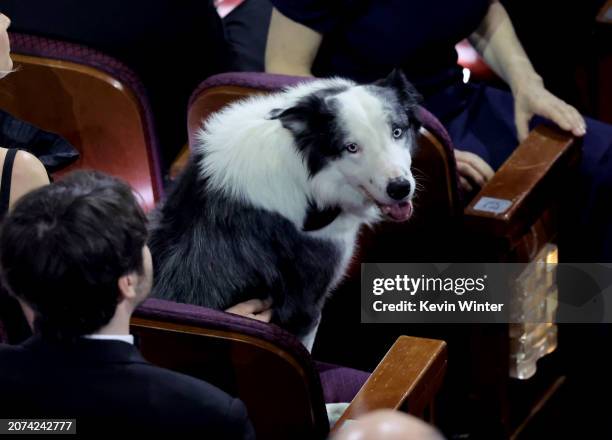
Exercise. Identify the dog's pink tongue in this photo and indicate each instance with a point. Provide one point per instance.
(399, 212)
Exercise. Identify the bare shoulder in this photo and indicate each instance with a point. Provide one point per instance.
(28, 174)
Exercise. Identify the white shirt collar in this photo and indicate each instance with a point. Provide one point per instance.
(124, 338)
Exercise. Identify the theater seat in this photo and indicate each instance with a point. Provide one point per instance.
(274, 375)
(92, 100)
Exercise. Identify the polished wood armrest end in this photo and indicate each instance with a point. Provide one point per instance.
(407, 378)
(525, 185)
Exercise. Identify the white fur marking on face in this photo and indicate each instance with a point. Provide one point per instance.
(364, 119)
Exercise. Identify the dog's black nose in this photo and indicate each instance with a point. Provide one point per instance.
(398, 189)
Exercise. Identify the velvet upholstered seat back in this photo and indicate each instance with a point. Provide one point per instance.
(92, 100)
(267, 367)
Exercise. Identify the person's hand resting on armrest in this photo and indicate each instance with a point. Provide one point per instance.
(258, 309)
(473, 171)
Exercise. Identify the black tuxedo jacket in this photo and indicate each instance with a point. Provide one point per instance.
(108, 387)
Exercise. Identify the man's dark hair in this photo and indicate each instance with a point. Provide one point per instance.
(64, 247)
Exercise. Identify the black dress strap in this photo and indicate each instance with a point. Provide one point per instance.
(5, 185)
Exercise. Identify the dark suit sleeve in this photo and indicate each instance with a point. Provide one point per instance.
(239, 419)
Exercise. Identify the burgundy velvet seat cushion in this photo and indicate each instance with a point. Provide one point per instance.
(340, 384)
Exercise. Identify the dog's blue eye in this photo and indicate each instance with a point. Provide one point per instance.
(352, 147)
(397, 132)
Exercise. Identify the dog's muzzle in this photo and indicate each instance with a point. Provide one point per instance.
(399, 190)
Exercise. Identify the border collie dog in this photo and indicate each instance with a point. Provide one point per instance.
(276, 190)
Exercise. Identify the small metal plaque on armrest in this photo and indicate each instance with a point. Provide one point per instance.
(493, 205)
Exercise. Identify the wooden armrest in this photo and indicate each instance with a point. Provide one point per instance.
(408, 377)
(522, 188)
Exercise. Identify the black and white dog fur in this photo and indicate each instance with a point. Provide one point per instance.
(277, 188)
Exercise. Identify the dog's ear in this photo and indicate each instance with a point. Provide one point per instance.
(293, 118)
(397, 81)
(309, 115)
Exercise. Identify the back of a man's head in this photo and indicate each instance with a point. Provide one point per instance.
(64, 247)
(387, 424)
